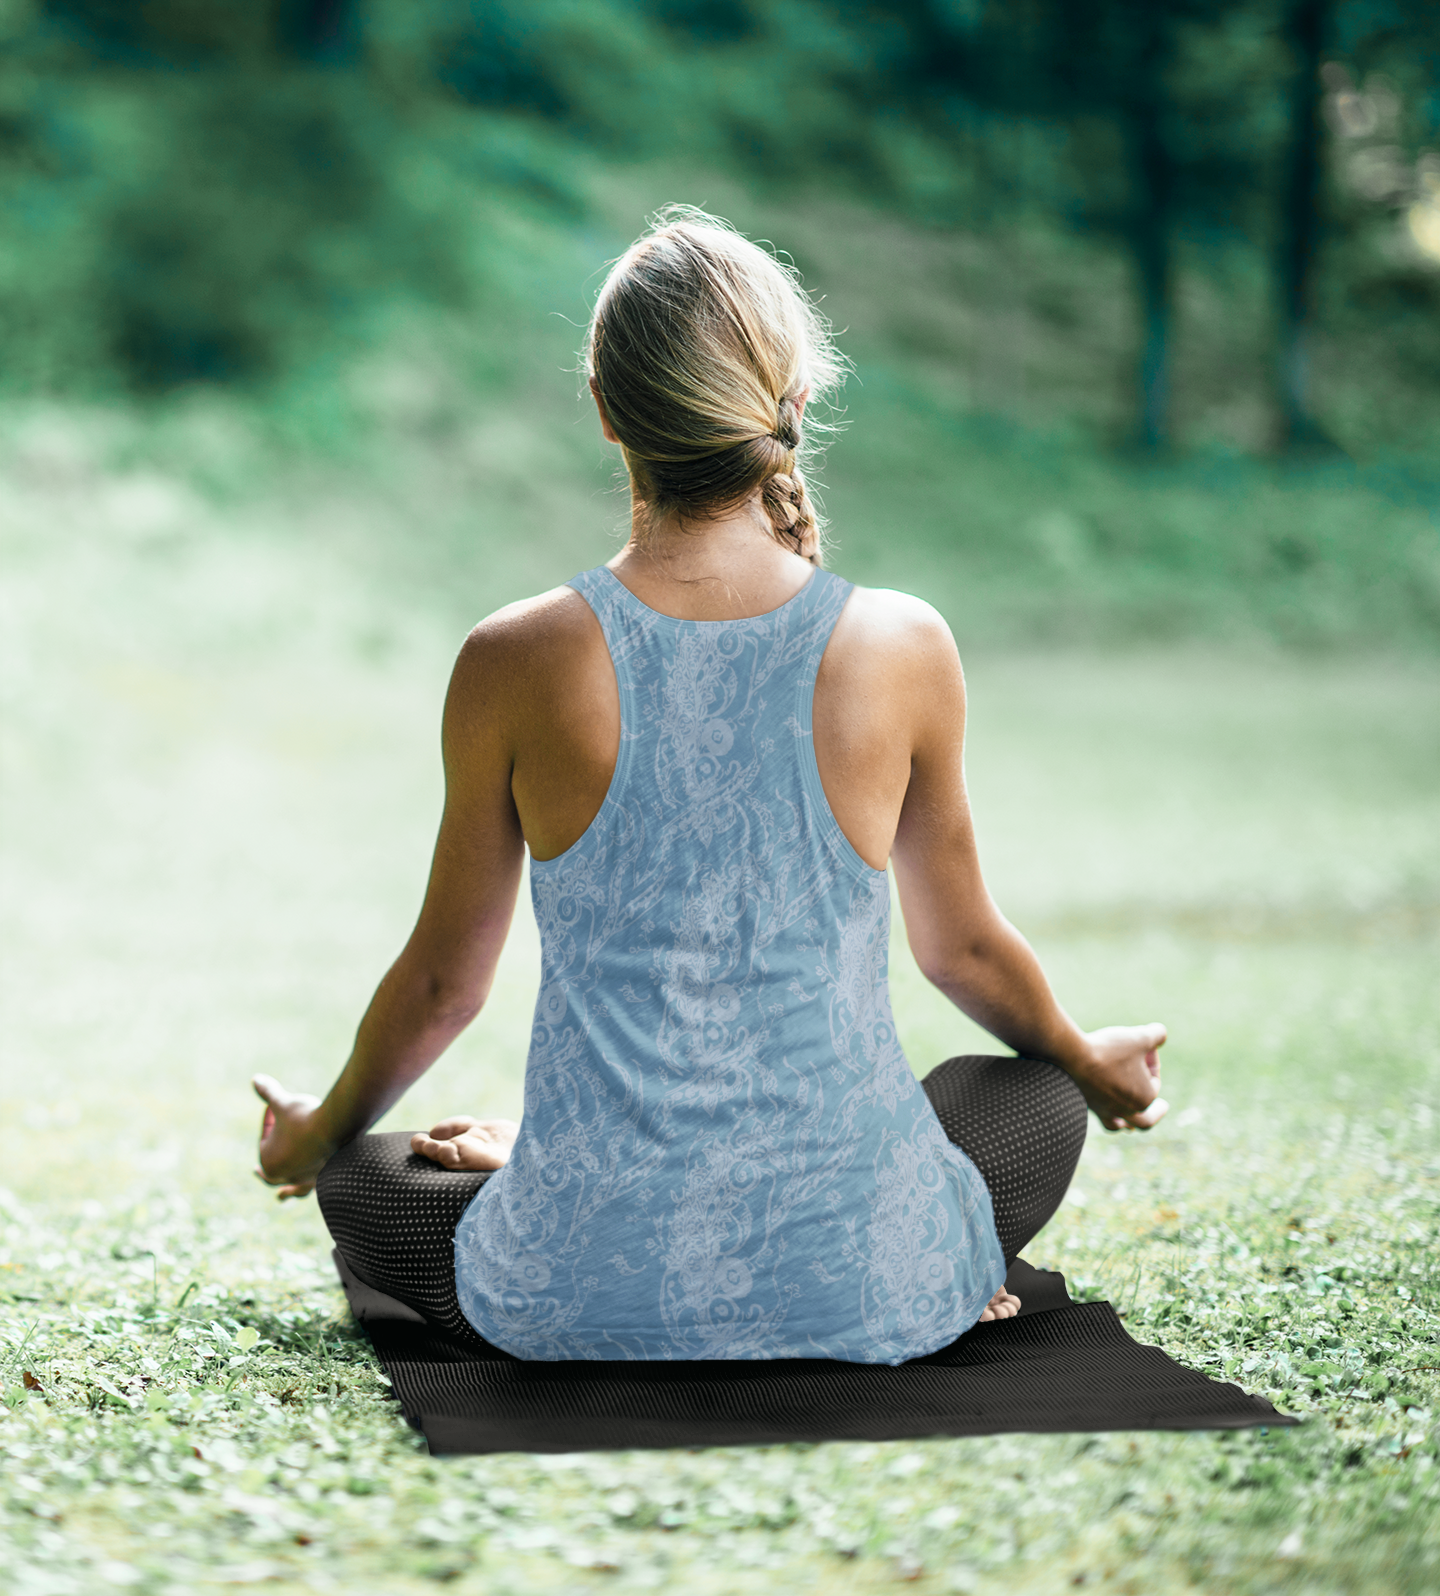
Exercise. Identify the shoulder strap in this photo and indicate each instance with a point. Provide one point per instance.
(823, 598)
(627, 623)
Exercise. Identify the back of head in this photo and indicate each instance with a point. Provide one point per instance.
(703, 347)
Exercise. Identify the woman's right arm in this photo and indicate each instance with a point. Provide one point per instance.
(959, 938)
(444, 973)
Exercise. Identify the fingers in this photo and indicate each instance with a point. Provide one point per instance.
(1144, 1119)
(1116, 1042)
(289, 1188)
(1150, 1116)
(275, 1097)
(1155, 1037)
(436, 1150)
(455, 1126)
(495, 1130)
(270, 1091)
(477, 1149)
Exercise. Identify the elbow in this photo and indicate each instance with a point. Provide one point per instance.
(451, 1005)
(941, 972)
(945, 977)
(954, 969)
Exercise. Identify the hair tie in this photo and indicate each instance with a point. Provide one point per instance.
(787, 424)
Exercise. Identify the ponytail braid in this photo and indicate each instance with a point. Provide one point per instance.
(792, 516)
(782, 492)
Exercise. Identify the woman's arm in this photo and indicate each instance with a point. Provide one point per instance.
(444, 974)
(960, 939)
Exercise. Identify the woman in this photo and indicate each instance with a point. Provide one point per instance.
(712, 748)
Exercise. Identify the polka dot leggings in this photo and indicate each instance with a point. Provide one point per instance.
(393, 1214)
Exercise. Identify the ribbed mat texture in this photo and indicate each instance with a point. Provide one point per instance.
(1058, 1366)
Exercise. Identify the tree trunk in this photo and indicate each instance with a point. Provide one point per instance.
(1152, 173)
(1299, 234)
(318, 30)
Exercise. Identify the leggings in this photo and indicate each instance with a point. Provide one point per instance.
(392, 1214)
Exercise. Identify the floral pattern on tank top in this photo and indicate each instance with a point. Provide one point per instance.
(723, 1152)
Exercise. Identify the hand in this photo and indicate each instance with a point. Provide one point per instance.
(466, 1143)
(1121, 1076)
(292, 1150)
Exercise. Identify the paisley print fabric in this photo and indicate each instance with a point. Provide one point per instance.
(723, 1152)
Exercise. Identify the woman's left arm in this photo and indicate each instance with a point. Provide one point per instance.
(442, 978)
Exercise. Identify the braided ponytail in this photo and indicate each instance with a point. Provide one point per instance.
(705, 349)
(792, 515)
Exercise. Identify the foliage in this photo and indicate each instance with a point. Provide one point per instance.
(262, 194)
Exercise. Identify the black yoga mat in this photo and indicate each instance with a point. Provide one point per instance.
(1058, 1365)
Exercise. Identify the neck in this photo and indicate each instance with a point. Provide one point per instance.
(720, 569)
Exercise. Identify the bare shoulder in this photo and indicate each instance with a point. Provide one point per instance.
(897, 634)
(527, 634)
(521, 654)
(885, 612)
(528, 627)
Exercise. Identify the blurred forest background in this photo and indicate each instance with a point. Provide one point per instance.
(1143, 295)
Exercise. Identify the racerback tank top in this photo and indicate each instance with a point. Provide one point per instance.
(723, 1152)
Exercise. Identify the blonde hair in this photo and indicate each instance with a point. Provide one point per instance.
(701, 346)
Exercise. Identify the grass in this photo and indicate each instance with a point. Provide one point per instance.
(220, 784)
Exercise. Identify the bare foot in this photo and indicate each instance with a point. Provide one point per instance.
(1001, 1306)
(467, 1143)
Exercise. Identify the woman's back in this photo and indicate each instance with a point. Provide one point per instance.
(724, 1153)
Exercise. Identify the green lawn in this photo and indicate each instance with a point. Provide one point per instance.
(219, 788)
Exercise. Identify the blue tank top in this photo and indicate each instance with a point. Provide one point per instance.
(723, 1152)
